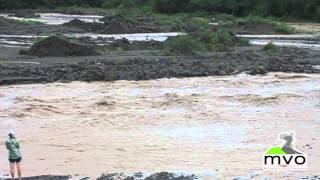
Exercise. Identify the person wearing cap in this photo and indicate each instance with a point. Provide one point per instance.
(15, 158)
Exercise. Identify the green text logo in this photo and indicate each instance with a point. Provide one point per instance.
(285, 156)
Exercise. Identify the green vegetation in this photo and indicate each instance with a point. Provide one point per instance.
(174, 60)
(302, 9)
(28, 22)
(283, 28)
(2, 61)
(270, 48)
(306, 9)
(72, 39)
(219, 40)
(175, 22)
(183, 44)
(120, 51)
(280, 27)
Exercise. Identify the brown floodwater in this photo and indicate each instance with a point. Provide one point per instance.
(217, 126)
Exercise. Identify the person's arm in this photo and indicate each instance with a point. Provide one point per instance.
(7, 145)
(18, 144)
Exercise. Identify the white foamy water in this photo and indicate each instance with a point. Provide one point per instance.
(181, 125)
(300, 41)
(55, 18)
(295, 36)
(28, 40)
(286, 43)
(130, 37)
(317, 67)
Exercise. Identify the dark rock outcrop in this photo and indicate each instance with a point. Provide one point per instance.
(56, 46)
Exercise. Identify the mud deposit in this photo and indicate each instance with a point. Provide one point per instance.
(56, 46)
(210, 126)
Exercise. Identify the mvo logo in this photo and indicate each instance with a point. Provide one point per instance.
(285, 157)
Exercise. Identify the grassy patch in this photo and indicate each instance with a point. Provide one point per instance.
(283, 28)
(28, 22)
(167, 22)
(183, 44)
(72, 39)
(200, 21)
(270, 48)
(257, 19)
(220, 40)
(170, 21)
(120, 51)
(279, 27)
(174, 60)
(2, 61)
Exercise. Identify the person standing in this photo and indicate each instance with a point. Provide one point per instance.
(13, 146)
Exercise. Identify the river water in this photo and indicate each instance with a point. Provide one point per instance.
(300, 41)
(217, 125)
(55, 18)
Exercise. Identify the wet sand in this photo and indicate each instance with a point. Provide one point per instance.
(209, 125)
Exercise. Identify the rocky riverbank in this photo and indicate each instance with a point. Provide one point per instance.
(144, 65)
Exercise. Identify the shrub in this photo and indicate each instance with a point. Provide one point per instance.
(183, 44)
(220, 40)
(28, 22)
(270, 48)
(120, 50)
(283, 28)
(268, 22)
(200, 21)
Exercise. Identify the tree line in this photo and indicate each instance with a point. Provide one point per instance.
(305, 9)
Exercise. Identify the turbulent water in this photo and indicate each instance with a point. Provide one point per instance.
(99, 39)
(300, 41)
(55, 18)
(217, 126)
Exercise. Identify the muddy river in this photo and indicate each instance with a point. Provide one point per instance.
(211, 126)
